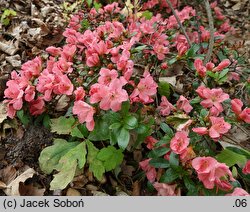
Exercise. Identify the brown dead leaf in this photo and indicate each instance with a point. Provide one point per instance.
(136, 188)
(13, 187)
(30, 190)
(2, 185)
(8, 174)
(3, 112)
(73, 192)
(9, 47)
(14, 60)
(62, 103)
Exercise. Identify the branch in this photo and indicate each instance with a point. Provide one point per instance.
(179, 22)
(211, 30)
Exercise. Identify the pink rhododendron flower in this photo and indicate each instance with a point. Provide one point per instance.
(37, 106)
(115, 96)
(93, 60)
(32, 67)
(245, 115)
(212, 173)
(200, 130)
(210, 66)
(238, 192)
(14, 95)
(165, 189)
(183, 104)
(179, 142)
(160, 51)
(237, 105)
(85, 113)
(111, 96)
(63, 85)
(146, 88)
(165, 107)
(150, 171)
(223, 64)
(218, 128)
(150, 141)
(106, 76)
(201, 70)
(62, 66)
(54, 51)
(212, 97)
(29, 93)
(79, 93)
(233, 76)
(246, 169)
(45, 84)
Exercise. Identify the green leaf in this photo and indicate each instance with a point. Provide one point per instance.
(130, 122)
(51, 155)
(62, 125)
(101, 131)
(95, 165)
(231, 158)
(196, 100)
(123, 138)
(64, 157)
(169, 176)
(223, 73)
(98, 169)
(63, 178)
(204, 113)
(24, 118)
(97, 6)
(89, 2)
(164, 88)
(211, 74)
(190, 185)
(159, 163)
(46, 121)
(125, 108)
(158, 152)
(172, 61)
(174, 160)
(167, 129)
(111, 157)
(239, 151)
(147, 14)
(76, 132)
(115, 126)
(192, 51)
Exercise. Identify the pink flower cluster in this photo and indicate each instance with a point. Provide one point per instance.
(212, 99)
(21, 88)
(179, 142)
(218, 128)
(212, 173)
(202, 70)
(244, 115)
(150, 171)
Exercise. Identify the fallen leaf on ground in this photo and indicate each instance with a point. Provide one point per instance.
(30, 190)
(3, 112)
(73, 192)
(13, 188)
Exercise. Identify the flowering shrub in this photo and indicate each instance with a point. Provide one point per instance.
(110, 80)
